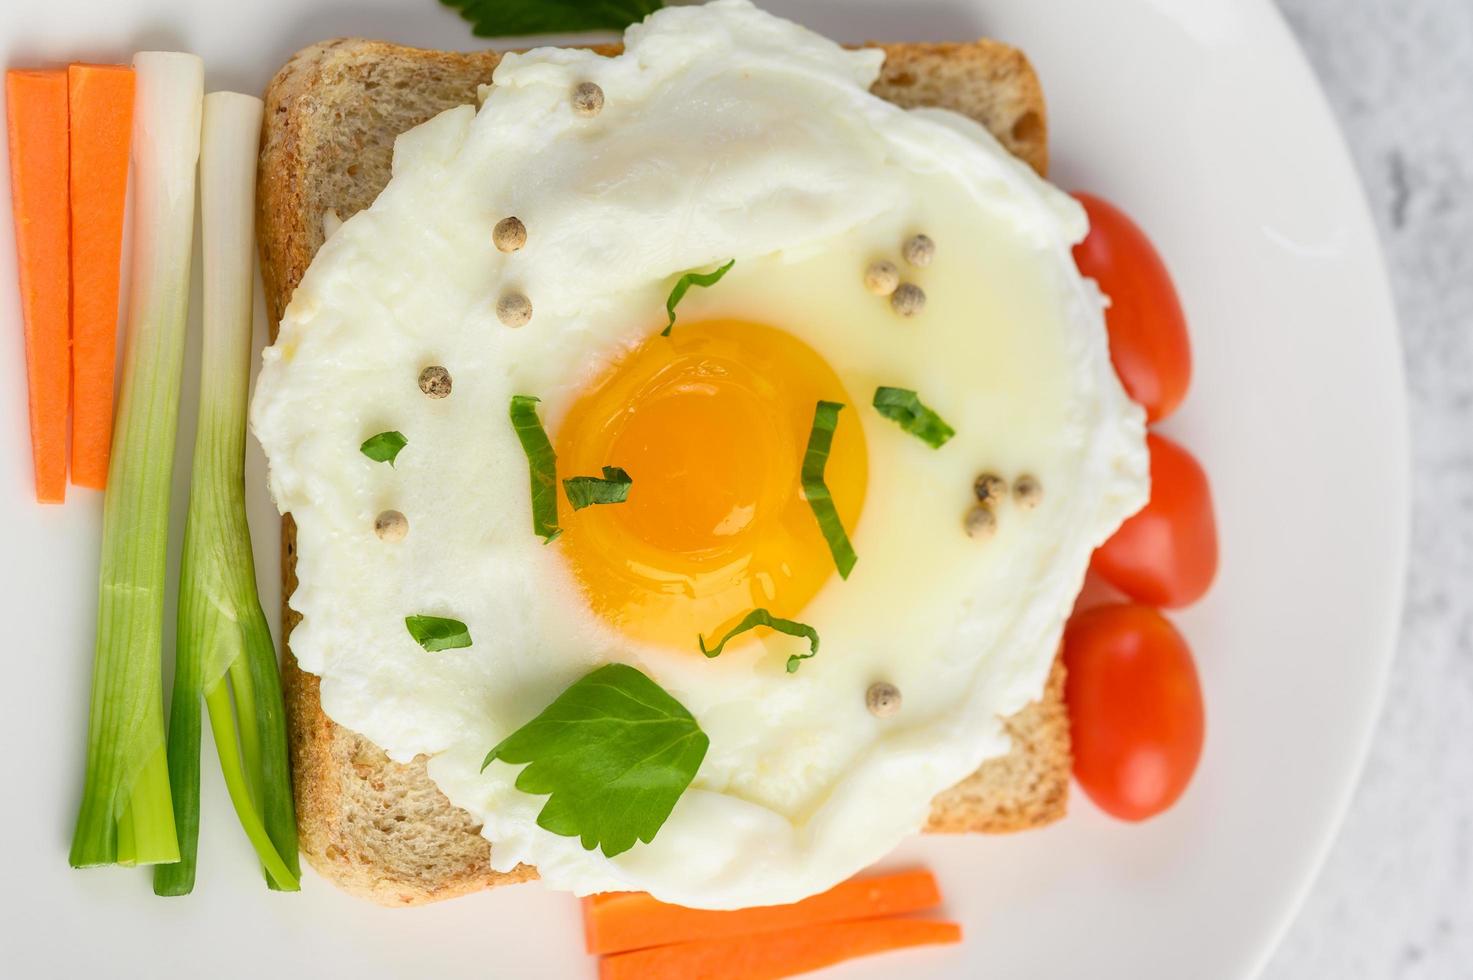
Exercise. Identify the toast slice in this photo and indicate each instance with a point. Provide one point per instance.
(383, 830)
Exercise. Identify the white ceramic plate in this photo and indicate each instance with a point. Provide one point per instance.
(1202, 119)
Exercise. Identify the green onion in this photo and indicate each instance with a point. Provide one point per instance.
(820, 439)
(541, 463)
(384, 447)
(904, 406)
(761, 617)
(435, 633)
(683, 284)
(585, 491)
(225, 655)
(126, 815)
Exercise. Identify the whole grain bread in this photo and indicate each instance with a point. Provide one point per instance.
(383, 830)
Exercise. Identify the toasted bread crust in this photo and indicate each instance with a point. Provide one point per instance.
(381, 829)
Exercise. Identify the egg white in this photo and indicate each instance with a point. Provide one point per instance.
(726, 133)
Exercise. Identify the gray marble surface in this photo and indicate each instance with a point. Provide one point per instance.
(1395, 899)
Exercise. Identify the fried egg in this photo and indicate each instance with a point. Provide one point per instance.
(724, 134)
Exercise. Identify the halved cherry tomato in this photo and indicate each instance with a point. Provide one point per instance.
(1148, 332)
(1166, 554)
(1135, 709)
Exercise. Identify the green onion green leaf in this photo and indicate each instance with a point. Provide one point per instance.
(384, 447)
(904, 406)
(683, 284)
(541, 463)
(611, 488)
(225, 659)
(613, 753)
(761, 617)
(126, 814)
(436, 633)
(820, 440)
(514, 18)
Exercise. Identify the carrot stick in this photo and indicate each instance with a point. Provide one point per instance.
(101, 125)
(776, 954)
(36, 115)
(616, 922)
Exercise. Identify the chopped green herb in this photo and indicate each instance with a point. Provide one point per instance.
(683, 284)
(761, 617)
(904, 406)
(384, 447)
(435, 633)
(820, 439)
(615, 751)
(541, 463)
(514, 18)
(585, 491)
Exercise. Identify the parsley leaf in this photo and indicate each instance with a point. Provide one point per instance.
(384, 447)
(512, 18)
(904, 406)
(541, 463)
(436, 633)
(614, 751)
(585, 491)
(761, 617)
(683, 284)
(820, 439)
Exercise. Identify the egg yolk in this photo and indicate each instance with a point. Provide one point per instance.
(711, 424)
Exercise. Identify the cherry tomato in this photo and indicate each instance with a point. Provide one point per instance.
(1166, 554)
(1148, 333)
(1135, 709)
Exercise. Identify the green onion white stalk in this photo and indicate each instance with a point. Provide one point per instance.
(126, 816)
(225, 655)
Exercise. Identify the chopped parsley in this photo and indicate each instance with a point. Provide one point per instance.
(683, 284)
(904, 406)
(761, 617)
(384, 447)
(611, 488)
(820, 440)
(541, 464)
(436, 633)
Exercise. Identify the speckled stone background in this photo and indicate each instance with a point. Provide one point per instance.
(1395, 899)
